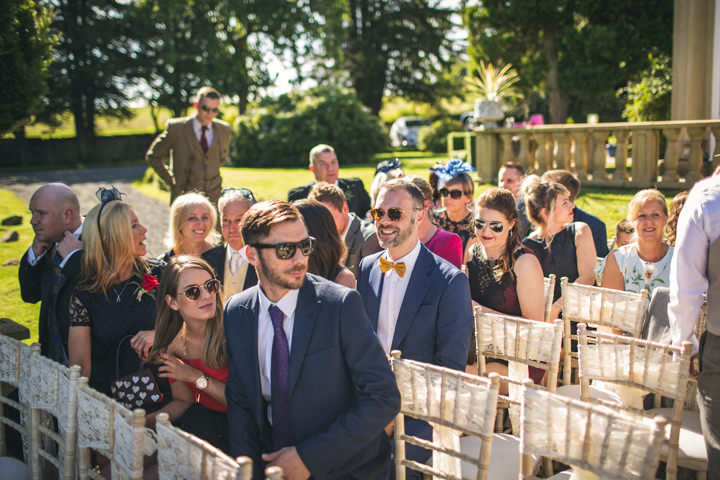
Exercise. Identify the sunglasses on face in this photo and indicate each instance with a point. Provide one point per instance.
(244, 192)
(454, 194)
(496, 227)
(193, 292)
(286, 250)
(208, 109)
(393, 213)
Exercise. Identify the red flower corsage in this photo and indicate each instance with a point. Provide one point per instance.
(149, 282)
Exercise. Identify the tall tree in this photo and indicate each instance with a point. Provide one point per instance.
(397, 47)
(570, 50)
(91, 67)
(26, 46)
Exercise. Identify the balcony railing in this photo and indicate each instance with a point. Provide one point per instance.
(666, 154)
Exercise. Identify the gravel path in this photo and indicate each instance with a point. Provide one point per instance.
(153, 213)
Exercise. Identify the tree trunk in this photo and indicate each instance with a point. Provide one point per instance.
(84, 113)
(20, 144)
(558, 98)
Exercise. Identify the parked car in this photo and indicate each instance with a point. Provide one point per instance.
(404, 131)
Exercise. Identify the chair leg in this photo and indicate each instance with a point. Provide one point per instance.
(701, 475)
(500, 420)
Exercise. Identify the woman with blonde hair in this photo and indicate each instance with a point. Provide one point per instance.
(190, 344)
(192, 226)
(115, 296)
(644, 263)
(562, 246)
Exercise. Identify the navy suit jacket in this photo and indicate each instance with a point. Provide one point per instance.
(597, 227)
(342, 392)
(216, 258)
(435, 322)
(356, 196)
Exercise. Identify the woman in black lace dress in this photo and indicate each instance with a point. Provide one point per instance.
(564, 247)
(115, 296)
(456, 188)
(504, 276)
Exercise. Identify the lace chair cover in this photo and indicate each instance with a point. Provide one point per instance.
(518, 339)
(127, 457)
(182, 455)
(10, 355)
(604, 307)
(594, 438)
(43, 380)
(95, 420)
(549, 292)
(453, 403)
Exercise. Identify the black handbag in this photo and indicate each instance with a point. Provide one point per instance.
(138, 389)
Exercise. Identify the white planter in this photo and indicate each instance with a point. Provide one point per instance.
(488, 112)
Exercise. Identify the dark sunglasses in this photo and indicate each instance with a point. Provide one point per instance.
(286, 250)
(496, 227)
(208, 109)
(242, 191)
(454, 194)
(193, 292)
(393, 213)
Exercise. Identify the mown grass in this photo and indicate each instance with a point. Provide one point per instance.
(12, 305)
(610, 205)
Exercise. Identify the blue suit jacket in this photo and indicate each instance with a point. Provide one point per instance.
(597, 227)
(436, 319)
(342, 391)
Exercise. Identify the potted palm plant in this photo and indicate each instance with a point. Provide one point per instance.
(492, 84)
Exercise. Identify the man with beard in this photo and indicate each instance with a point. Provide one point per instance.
(417, 302)
(309, 388)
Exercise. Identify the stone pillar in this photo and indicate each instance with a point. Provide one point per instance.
(486, 146)
(693, 33)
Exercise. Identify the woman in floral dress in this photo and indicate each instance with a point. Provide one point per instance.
(644, 263)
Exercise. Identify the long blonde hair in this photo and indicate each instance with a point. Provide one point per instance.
(169, 323)
(179, 213)
(106, 257)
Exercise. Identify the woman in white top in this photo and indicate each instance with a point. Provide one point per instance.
(645, 263)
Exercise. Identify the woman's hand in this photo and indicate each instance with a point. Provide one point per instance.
(176, 369)
(142, 341)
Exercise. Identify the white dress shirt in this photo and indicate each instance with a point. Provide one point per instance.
(698, 227)
(266, 334)
(32, 259)
(198, 131)
(242, 258)
(391, 298)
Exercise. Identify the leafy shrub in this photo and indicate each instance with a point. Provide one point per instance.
(278, 136)
(649, 99)
(434, 137)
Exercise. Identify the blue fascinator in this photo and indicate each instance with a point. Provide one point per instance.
(454, 167)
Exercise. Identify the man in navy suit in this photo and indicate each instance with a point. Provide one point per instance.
(309, 389)
(417, 302)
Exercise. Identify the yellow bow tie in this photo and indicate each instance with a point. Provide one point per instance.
(386, 265)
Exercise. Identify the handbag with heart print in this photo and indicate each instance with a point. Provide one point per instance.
(135, 390)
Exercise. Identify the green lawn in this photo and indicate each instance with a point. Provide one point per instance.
(608, 204)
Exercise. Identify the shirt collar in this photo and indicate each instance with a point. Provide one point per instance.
(197, 127)
(231, 250)
(287, 303)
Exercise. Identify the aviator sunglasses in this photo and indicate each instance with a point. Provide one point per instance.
(496, 227)
(454, 194)
(286, 250)
(393, 213)
(193, 292)
(208, 109)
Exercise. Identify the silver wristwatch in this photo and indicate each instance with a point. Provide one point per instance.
(201, 383)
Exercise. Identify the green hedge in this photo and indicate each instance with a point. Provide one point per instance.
(285, 131)
(434, 137)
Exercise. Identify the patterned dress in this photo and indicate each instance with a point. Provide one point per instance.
(638, 273)
(464, 228)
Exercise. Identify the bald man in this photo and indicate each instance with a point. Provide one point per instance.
(50, 267)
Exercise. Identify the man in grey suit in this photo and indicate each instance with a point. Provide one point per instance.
(198, 146)
(358, 235)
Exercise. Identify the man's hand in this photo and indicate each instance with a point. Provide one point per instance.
(694, 372)
(288, 459)
(40, 247)
(390, 428)
(68, 244)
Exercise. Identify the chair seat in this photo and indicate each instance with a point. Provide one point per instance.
(564, 475)
(691, 445)
(504, 456)
(12, 469)
(573, 391)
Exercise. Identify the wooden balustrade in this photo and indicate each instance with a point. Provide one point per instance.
(666, 154)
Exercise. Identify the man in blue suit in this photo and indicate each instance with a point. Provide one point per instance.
(417, 302)
(309, 389)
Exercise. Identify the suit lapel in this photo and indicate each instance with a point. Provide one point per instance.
(420, 282)
(305, 316)
(354, 236)
(252, 349)
(376, 286)
(189, 133)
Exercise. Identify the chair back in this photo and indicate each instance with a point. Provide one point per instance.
(13, 354)
(549, 291)
(465, 404)
(182, 455)
(517, 339)
(658, 368)
(602, 307)
(113, 431)
(53, 403)
(612, 444)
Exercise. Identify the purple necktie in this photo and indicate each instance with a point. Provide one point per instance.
(282, 424)
(203, 140)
